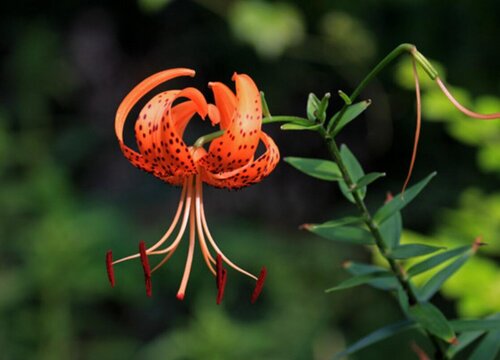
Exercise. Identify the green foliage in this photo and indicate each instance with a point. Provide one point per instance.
(412, 250)
(319, 169)
(351, 113)
(270, 28)
(433, 320)
(349, 234)
(354, 168)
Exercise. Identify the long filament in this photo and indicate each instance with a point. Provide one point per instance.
(211, 240)
(201, 237)
(464, 109)
(189, 260)
(168, 232)
(418, 126)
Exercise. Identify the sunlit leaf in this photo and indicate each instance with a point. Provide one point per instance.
(355, 170)
(320, 169)
(312, 106)
(352, 112)
(349, 234)
(412, 250)
(433, 320)
(376, 336)
(401, 200)
(436, 260)
(361, 280)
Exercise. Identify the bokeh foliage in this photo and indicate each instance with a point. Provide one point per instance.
(67, 195)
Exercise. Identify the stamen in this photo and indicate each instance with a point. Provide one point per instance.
(259, 285)
(146, 268)
(212, 242)
(201, 237)
(189, 260)
(222, 286)
(168, 232)
(109, 268)
(462, 108)
(417, 129)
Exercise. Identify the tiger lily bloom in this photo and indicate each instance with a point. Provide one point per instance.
(230, 162)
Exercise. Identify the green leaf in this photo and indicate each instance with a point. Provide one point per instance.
(433, 320)
(462, 325)
(433, 285)
(463, 340)
(361, 280)
(367, 179)
(488, 348)
(356, 268)
(291, 126)
(352, 112)
(320, 169)
(436, 260)
(312, 106)
(265, 107)
(348, 220)
(376, 336)
(401, 200)
(355, 170)
(345, 97)
(349, 234)
(413, 250)
(321, 112)
(391, 230)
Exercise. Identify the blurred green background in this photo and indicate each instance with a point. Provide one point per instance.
(67, 194)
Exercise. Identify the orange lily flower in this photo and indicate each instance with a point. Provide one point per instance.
(230, 163)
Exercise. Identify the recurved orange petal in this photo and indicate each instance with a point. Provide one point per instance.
(236, 147)
(251, 173)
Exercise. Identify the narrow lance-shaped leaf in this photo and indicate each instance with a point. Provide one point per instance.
(376, 336)
(355, 170)
(463, 340)
(433, 285)
(323, 105)
(391, 230)
(360, 280)
(487, 324)
(348, 234)
(431, 319)
(320, 169)
(407, 251)
(401, 200)
(488, 348)
(356, 268)
(352, 112)
(367, 180)
(436, 260)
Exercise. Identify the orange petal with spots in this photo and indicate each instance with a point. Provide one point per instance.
(159, 130)
(225, 101)
(249, 174)
(236, 147)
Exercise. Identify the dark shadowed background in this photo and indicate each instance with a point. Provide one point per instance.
(67, 194)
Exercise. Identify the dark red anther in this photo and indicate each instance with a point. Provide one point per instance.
(388, 197)
(259, 285)
(221, 278)
(146, 268)
(221, 286)
(219, 268)
(109, 268)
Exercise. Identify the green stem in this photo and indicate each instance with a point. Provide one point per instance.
(401, 277)
(267, 120)
(403, 48)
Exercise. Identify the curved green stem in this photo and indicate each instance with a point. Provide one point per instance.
(401, 49)
(267, 120)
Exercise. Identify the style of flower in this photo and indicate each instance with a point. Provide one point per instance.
(230, 163)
